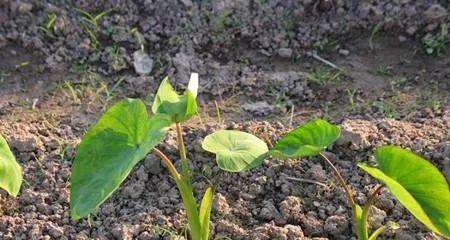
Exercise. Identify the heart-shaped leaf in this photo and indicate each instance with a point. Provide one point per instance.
(235, 151)
(10, 170)
(123, 136)
(417, 184)
(179, 107)
(307, 140)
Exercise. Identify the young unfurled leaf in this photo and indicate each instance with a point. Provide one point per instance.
(205, 212)
(417, 184)
(178, 107)
(193, 84)
(10, 170)
(307, 140)
(123, 136)
(357, 215)
(235, 151)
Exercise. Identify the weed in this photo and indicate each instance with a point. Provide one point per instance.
(219, 115)
(115, 57)
(354, 100)
(323, 76)
(49, 29)
(326, 110)
(384, 70)
(245, 60)
(397, 82)
(91, 25)
(164, 232)
(94, 19)
(222, 22)
(280, 99)
(384, 108)
(139, 38)
(436, 43)
(62, 150)
(4, 75)
(23, 64)
(224, 25)
(373, 33)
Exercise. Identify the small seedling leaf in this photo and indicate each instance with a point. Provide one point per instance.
(357, 215)
(235, 151)
(122, 137)
(205, 212)
(417, 184)
(10, 170)
(307, 140)
(178, 107)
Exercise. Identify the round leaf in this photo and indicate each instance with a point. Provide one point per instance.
(417, 184)
(123, 136)
(307, 140)
(235, 151)
(10, 170)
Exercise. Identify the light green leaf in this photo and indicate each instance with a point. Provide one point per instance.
(10, 170)
(205, 212)
(190, 205)
(357, 215)
(123, 136)
(235, 151)
(417, 184)
(179, 107)
(307, 140)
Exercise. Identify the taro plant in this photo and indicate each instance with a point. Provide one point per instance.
(125, 134)
(415, 182)
(10, 170)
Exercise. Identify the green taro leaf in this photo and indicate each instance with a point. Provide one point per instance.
(307, 140)
(122, 137)
(10, 170)
(179, 107)
(235, 151)
(417, 184)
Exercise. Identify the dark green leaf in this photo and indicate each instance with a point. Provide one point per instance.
(307, 140)
(417, 184)
(10, 170)
(235, 151)
(109, 150)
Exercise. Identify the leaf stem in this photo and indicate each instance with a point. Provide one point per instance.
(219, 115)
(168, 163)
(182, 149)
(341, 180)
(365, 213)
